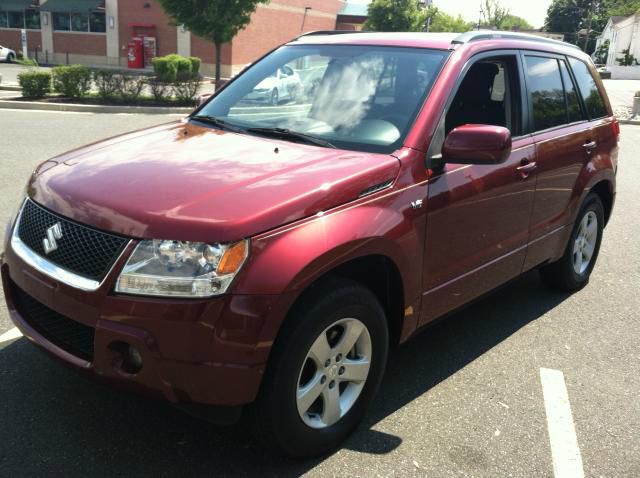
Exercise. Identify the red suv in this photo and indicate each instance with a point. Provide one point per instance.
(271, 252)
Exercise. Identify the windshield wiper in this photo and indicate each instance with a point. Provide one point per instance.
(220, 123)
(284, 133)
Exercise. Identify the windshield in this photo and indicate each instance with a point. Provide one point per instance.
(363, 98)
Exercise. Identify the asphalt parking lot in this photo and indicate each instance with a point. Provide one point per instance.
(465, 398)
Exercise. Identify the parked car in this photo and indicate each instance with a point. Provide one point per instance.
(245, 258)
(7, 54)
(283, 84)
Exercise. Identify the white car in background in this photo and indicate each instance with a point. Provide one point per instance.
(284, 83)
(7, 55)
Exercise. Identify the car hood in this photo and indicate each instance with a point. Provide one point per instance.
(267, 84)
(187, 182)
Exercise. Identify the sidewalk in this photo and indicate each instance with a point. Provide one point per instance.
(621, 96)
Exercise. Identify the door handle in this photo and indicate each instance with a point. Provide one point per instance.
(526, 168)
(590, 146)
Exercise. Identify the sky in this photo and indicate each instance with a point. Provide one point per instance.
(534, 11)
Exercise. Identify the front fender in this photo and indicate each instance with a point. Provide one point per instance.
(286, 261)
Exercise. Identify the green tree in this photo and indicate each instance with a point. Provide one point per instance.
(493, 14)
(514, 22)
(571, 16)
(395, 16)
(622, 7)
(218, 20)
(601, 53)
(443, 22)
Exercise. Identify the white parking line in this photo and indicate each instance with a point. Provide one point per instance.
(10, 335)
(567, 461)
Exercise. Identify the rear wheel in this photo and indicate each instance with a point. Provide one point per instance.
(10, 58)
(325, 369)
(573, 270)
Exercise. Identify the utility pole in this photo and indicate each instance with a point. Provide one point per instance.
(586, 38)
(480, 16)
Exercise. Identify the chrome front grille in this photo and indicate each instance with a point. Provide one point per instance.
(78, 249)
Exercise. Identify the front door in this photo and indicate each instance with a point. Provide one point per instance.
(478, 215)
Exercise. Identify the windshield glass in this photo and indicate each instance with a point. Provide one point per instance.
(355, 97)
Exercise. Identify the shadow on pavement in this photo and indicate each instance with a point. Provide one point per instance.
(55, 422)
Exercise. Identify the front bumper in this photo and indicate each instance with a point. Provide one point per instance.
(193, 351)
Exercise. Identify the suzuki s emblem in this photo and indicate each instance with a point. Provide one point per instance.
(53, 234)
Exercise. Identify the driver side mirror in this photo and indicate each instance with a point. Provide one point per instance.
(477, 144)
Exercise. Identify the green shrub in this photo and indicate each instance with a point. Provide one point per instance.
(129, 87)
(165, 69)
(106, 84)
(72, 81)
(195, 64)
(174, 67)
(160, 90)
(183, 66)
(186, 91)
(35, 83)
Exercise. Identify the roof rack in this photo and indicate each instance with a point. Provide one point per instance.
(329, 32)
(493, 35)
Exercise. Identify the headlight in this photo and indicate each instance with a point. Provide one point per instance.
(181, 269)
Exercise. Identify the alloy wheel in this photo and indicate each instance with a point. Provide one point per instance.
(585, 242)
(334, 373)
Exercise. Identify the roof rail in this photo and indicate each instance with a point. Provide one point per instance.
(329, 32)
(494, 35)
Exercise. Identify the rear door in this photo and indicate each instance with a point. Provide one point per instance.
(598, 110)
(564, 141)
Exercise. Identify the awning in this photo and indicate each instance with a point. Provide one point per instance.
(17, 5)
(71, 6)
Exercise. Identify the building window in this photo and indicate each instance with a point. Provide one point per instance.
(16, 19)
(98, 22)
(80, 22)
(29, 19)
(32, 19)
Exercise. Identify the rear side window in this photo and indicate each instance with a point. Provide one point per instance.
(589, 90)
(573, 104)
(546, 92)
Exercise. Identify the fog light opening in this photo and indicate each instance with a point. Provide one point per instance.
(128, 359)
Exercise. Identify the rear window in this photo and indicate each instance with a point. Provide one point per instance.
(589, 90)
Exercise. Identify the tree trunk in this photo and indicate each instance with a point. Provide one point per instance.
(218, 63)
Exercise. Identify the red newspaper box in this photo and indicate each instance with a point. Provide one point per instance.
(136, 53)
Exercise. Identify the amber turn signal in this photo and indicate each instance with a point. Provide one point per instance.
(233, 258)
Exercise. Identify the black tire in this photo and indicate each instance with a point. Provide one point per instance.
(10, 58)
(275, 97)
(279, 425)
(561, 275)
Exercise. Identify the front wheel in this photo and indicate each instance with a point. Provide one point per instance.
(10, 58)
(326, 368)
(574, 268)
(275, 97)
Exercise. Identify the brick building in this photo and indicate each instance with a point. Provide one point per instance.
(97, 32)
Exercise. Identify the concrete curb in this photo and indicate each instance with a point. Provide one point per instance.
(630, 121)
(10, 88)
(35, 105)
